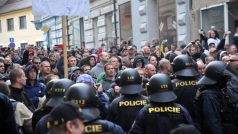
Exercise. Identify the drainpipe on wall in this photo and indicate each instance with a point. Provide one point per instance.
(115, 22)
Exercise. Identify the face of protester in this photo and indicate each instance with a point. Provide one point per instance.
(45, 67)
(8, 60)
(92, 61)
(212, 33)
(225, 59)
(166, 49)
(32, 74)
(209, 59)
(36, 63)
(146, 50)
(131, 51)
(2, 67)
(52, 58)
(158, 54)
(153, 61)
(15, 55)
(150, 70)
(173, 47)
(139, 64)
(77, 73)
(22, 79)
(234, 62)
(193, 50)
(86, 69)
(125, 52)
(72, 62)
(115, 62)
(201, 68)
(233, 49)
(110, 71)
(104, 57)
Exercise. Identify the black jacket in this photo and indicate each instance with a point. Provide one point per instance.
(214, 112)
(123, 110)
(105, 127)
(20, 95)
(160, 118)
(7, 120)
(185, 88)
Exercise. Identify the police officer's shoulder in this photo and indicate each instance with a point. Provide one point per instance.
(108, 123)
(117, 100)
(144, 97)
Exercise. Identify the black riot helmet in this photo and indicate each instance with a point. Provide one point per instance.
(214, 73)
(49, 87)
(84, 96)
(130, 82)
(160, 89)
(58, 90)
(183, 65)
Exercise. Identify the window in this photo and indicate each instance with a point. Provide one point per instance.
(125, 20)
(0, 26)
(213, 17)
(22, 22)
(10, 24)
(39, 44)
(23, 45)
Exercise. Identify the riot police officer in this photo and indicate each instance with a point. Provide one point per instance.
(213, 108)
(185, 83)
(84, 96)
(57, 96)
(124, 109)
(161, 115)
(40, 112)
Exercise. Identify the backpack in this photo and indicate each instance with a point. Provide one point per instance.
(20, 129)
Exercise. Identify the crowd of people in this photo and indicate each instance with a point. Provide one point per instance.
(158, 88)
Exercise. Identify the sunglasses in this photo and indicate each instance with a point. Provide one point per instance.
(36, 62)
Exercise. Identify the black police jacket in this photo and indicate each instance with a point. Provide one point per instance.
(185, 88)
(123, 110)
(102, 127)
(7, 120)
(215, 114)
(160, 118)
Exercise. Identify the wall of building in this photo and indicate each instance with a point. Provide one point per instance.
(99, 26)
(195, 18)
(144, 21)
(29, 35)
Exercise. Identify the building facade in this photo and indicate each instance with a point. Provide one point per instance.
(178, 21)
(16, 24)
(219, 13)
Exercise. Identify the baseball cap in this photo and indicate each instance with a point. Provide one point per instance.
(66, 111)
(85, 78)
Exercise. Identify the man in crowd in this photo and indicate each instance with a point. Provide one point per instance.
(150, 70)
(18, 81)
(45, 69)
(104, 56)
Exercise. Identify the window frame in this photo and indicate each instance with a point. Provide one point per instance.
(9, 29)
(22, 22)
